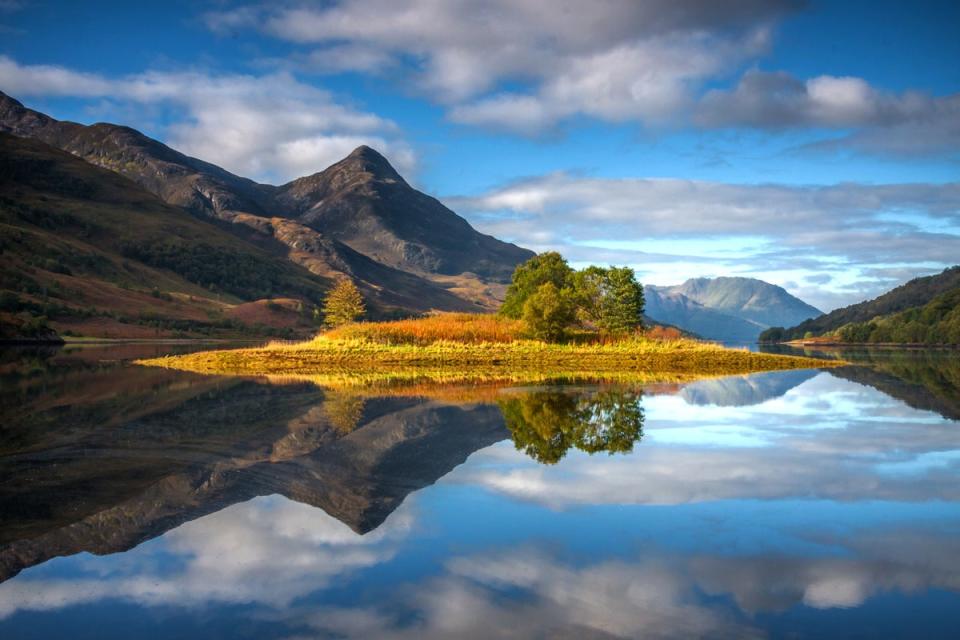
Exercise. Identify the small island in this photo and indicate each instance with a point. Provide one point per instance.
(555, 323)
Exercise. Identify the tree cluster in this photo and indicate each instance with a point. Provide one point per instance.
(552, 298)
(546, 424)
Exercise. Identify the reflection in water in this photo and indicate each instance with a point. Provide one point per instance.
(796, 503)
(927, 379)
(546, 424)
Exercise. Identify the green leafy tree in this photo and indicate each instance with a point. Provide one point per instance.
(529, 276)
(589, 288)
(344, 304)
(621, 306)
(548, 313)
(545, 425)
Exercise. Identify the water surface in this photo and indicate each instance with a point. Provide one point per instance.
(141, 502)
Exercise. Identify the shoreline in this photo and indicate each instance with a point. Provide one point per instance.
(883, 345)
(512, 360)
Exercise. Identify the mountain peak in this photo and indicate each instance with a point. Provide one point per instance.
(369, 160)
(363, 151)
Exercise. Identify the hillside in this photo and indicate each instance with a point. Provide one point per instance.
(97, 255)
(915, 293)
(937, 322)
(728, 309)
(359, 217)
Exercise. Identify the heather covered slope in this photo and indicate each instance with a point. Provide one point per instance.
(915, 293)
(97, 255)
(408, 252)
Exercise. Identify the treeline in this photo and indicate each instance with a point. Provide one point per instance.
(915, 293)
(552, 298)
(937, 322)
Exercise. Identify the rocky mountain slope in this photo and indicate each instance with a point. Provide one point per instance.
(680, 311)
(748, 298)
(359, 217)
(728, 309)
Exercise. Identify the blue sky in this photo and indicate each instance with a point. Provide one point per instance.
(812, 144)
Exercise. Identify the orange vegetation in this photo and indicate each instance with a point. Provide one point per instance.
(460, 327)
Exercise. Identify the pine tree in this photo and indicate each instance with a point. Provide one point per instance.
(344, 304)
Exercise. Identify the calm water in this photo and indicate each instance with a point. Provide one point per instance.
(140, 503)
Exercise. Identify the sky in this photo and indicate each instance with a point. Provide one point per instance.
(814, 145)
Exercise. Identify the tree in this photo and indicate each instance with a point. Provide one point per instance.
(529, 276)
(548, 313)
(621, 309)
(344, 304)
(589, 287)
(546, 424)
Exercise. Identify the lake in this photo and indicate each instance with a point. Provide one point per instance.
(140, 503)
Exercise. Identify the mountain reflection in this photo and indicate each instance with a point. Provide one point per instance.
(99, 456)
(926, 379)
(750, 497)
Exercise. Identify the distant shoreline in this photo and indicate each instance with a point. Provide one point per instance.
(885, 345)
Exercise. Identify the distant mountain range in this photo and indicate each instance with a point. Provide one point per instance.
(727, 309)
(359, 218)
(931, 299)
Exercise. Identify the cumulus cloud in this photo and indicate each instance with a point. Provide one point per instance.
(616, 60)
(655, 62)
(269, 551)
(269, 126)
(785, 228)
(662, 596)
(911, 122)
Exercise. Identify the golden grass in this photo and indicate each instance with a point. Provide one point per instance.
(473, 328)
(488, 349)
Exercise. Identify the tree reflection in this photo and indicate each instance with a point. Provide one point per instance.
(545, 424)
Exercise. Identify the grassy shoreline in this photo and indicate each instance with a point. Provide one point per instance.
(519, 360)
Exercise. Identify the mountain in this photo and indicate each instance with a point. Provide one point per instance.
(363, 202)
(358, 217)
(680, 311)
(915, 293)
(748, 298)
(728, 309)
(98, 255)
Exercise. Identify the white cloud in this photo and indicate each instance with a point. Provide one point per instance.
(786, 229)
(911, 122)
(269, 126)
(618, 60)
(726, 446)
(268, 551)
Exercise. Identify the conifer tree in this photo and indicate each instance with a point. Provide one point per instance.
(344, 304)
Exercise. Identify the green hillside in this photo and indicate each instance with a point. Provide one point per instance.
(937, 322)
(95, 254)
(916, 293)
